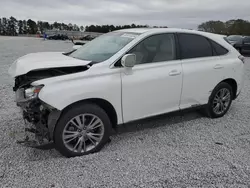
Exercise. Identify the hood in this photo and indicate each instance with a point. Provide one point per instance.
(43, 60)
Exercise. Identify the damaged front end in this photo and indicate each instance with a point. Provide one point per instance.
(40, 118)
(24, 81)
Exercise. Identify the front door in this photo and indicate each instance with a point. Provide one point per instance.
(153, 86)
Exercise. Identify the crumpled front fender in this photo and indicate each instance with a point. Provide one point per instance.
(52, 121)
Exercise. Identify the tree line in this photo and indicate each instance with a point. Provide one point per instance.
(108, 28)
(12, 27)
(230, 27)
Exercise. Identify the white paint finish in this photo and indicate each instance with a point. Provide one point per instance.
(98, 82)
(201, 75)
(234, 68)
(199, 79)
(41, 60)
(145, 90)
(150, 90)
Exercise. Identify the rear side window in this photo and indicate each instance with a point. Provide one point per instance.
(218, 49)
(194, 46)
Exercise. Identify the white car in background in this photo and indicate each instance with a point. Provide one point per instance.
(75, 99)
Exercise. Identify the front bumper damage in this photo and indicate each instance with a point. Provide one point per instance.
(40, 120)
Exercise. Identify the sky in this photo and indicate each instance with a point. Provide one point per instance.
(172, 13)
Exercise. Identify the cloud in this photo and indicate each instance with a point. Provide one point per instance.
(172, 13)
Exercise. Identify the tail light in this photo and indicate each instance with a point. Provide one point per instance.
(242, 58)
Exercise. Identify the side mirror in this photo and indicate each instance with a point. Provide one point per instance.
(128, 60)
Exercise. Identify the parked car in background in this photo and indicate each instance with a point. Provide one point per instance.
(87, 37)
(58, 37)
(75, 99)
(78, 44)
(241, 43)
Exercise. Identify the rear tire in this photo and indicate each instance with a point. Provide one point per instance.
(219, 101)
(82, 129)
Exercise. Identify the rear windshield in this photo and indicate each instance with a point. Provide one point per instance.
(104, 46)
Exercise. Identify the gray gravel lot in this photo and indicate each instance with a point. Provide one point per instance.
(179, 150)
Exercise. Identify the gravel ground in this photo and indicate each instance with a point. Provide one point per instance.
(179, 150)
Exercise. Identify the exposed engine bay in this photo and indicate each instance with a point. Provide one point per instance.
(23, 81)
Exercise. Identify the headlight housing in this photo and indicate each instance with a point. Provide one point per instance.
(32, 92)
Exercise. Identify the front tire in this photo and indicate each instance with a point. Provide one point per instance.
(81, 130)
(219, 101)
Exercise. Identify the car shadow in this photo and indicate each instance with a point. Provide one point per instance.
(148, 123)
(159, 121)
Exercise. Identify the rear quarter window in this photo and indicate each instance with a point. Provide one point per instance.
(218, 49)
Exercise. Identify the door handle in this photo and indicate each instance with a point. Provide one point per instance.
(218, 66)
(174, 73)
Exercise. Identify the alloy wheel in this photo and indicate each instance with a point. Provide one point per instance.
(83, 133)
(221, 101)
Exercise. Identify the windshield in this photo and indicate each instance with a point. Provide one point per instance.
(234, 38)
(103, 47)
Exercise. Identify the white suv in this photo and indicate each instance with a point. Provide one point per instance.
(75, 99)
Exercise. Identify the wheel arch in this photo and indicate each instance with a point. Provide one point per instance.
(209, 109)
(104, 104)
(233, 84)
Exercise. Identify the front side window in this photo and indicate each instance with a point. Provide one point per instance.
(194, 46)
(104, 47)
(156, 48)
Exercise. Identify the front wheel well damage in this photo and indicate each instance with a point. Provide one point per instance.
(104, 104)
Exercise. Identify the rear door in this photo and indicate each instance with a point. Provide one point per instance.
(202, 69)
